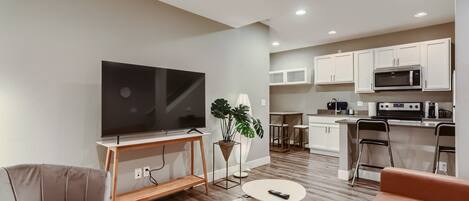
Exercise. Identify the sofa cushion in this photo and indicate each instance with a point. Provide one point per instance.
(423, 185)
(54, 183)
(383, 196)
(6, 192)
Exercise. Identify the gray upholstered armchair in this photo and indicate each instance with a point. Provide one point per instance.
(53, 183)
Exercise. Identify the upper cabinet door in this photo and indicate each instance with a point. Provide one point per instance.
(343, 68)
(385, 57)
(408, 54)
(324, 69)
(297, 76)
(436, 65)
(363, 67)
(277, 78)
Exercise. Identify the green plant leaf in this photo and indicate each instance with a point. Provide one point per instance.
(244, 128)
(220, 108)
(240, 113)
(258, 127)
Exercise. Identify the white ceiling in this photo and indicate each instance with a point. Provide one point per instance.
(350, 18)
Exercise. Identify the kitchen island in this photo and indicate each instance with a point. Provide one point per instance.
(413, 147)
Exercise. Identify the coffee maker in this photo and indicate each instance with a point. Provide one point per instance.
(431, 110)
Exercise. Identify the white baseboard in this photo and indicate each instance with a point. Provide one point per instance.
(324, 152)
(220, 173)
(364, 174)
(370, 175)
(344, 175)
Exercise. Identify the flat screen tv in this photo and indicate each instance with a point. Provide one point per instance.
(138, 99)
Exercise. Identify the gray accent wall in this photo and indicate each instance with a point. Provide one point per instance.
(50, 61)
(462, 88)
(310, 98)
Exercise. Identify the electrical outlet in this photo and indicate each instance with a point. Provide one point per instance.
(138, 173)
(442, 166)
(146, 171)
(263, 102)
(360, 103)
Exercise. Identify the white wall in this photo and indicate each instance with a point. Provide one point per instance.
(462, 88)
(50, 61)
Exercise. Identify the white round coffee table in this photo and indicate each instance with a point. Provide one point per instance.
(258, 189)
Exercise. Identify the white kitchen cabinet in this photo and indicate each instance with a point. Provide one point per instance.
(333, 138)
(333, 69)
(385, 57)
(436, 65)
(408, 54)
(277, 78)
(363, 71)
(324, 135)
(290, 77)
(323, 69)
(343, 71)
(399, 55)
(297, 76)
(318, 136)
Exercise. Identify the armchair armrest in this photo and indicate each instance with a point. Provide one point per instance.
(423, 185)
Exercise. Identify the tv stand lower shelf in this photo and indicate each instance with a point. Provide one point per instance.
(154, 192)
(163, 189)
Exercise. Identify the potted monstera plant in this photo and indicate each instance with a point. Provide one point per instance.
(234, 120)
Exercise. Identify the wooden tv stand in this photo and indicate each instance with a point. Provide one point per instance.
(163, 189)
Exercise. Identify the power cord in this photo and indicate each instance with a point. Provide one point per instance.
(152, 179)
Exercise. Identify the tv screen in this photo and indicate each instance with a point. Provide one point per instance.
(143, 99)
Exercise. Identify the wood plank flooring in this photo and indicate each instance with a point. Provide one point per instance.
(317, 173)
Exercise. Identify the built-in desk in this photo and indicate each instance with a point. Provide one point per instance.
(154, 192)
(413, 146)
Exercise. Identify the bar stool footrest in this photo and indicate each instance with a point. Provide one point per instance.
(371, 166)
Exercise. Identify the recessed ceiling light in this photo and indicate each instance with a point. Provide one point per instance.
(275, 43)
(300, 12)
(332, 32)
(421, 14)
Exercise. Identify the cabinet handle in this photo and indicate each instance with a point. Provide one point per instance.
(325, 129)
(334, 78)
(394, 62)
(398, 61)
(426, 85)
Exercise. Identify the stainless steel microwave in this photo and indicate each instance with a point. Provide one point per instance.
(398, 78)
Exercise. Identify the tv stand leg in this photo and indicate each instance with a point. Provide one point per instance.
(118, 139)
(204, 165)
(108, 160)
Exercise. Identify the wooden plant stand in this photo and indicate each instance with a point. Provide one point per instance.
(163, 189)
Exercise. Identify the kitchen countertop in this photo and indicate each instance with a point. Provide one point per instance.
(285, 113)
(338, 115)
(430, 123)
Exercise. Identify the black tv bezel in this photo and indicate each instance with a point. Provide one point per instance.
(146, 131)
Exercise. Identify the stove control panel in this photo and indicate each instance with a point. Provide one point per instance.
(389, 106)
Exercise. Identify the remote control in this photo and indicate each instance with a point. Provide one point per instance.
(279, 194)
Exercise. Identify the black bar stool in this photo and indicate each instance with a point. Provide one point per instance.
(278, 132)
(299, 135)
(443, 129)
(371, 125)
